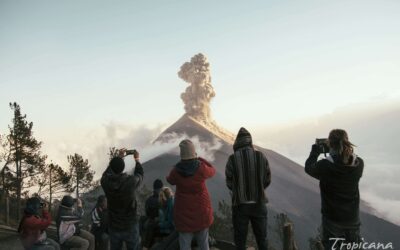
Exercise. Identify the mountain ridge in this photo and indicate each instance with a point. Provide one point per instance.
(292, 191)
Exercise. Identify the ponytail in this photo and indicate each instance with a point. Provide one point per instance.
(339, 142)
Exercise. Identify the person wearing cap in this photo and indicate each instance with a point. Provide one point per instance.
(99, 227)
(193, 214)
(70, 235)
(152, 207)
(120, 189)
(247, 176)
(32, 226)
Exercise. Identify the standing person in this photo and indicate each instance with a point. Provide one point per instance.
(100, 223)
(68, 230)
(193, 214)
(32, 228)
(152, 203)
(151, 228)
(338, 175)
(247, 176)
(120, 189)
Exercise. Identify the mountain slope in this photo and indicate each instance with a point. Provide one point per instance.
(291, 191)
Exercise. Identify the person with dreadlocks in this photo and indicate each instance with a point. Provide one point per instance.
(339, 174)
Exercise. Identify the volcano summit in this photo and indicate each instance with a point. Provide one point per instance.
(291, 191)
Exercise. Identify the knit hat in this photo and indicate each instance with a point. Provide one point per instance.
(157, 184)
(117, 165)
(243, 139)
(67, 201)
(187, 150)
(32, 206)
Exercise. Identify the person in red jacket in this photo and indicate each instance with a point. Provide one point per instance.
(32, 226)
(193, 214)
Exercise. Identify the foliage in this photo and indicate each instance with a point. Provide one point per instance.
(222, 227)
(315, 243)
(113, 152)
(80, 173)
(24, 156)
(52, 182)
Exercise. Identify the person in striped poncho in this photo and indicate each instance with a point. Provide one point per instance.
(247, 176)
(100, 223)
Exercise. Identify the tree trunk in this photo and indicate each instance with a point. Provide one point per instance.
(50, 190)
(77, 183)
(7, 214)
(288, 237)
(19, 184)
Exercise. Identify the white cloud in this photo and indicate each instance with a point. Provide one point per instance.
(94, 145)
(372, 127)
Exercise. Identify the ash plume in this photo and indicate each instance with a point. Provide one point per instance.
(199, 93)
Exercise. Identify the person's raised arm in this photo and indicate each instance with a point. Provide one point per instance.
(267, 177)
(45, 221)
(79, 209)
(312, 167)
(229, 173)
(209, 170)
(138, 173)
(171, 178)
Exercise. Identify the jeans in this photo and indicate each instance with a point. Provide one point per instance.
(256, 214)
(333, 235)
(130, 236)
(185, 240)
(102, 241)
(150, 231)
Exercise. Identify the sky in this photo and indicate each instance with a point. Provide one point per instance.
(90, 73)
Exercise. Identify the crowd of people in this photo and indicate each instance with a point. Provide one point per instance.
(182, 219)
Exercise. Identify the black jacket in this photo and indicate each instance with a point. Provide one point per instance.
(340, 196)
(120, 190)
(153, 205)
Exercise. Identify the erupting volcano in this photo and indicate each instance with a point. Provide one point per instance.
(291, 191)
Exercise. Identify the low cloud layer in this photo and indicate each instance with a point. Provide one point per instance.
(94, 145)
(373, 128)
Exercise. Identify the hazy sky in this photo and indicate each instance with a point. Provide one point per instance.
(80, 67)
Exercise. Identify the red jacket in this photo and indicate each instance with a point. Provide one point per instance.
(32, 227)
(192, 209)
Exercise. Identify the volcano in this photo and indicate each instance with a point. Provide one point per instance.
(291, 192)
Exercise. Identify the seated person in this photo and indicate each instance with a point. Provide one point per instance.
(68, 219)
(100, 223)
(166, 211)
(166, 223)
(32, 226)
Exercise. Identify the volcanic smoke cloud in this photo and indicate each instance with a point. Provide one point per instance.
(198, 95)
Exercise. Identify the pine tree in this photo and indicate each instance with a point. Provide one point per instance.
(24, 152)
(52, 181)
(80, 173)
(6, 177)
